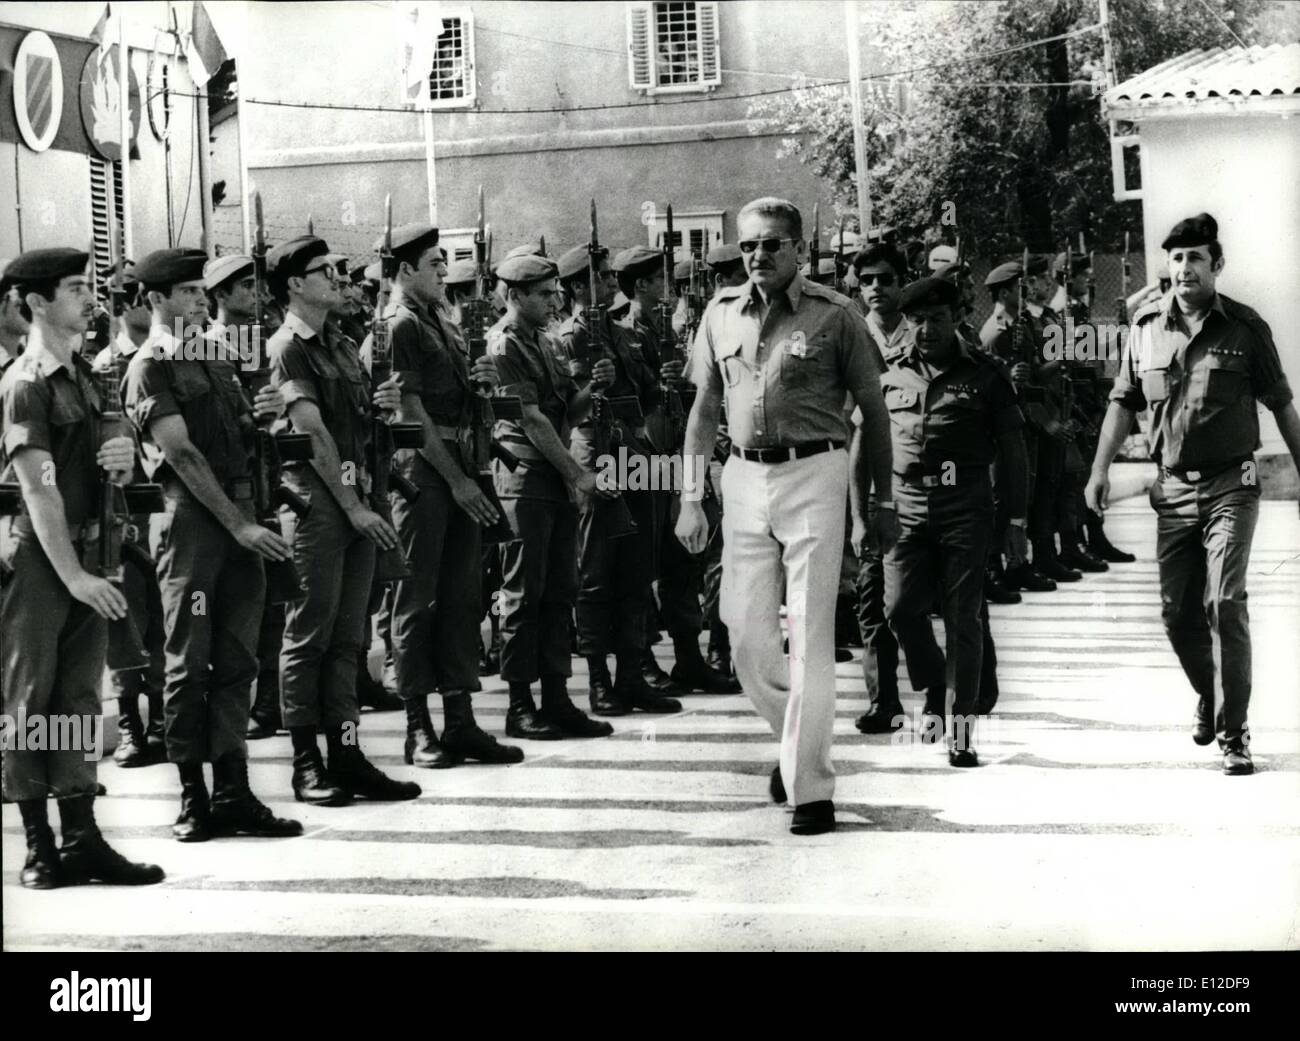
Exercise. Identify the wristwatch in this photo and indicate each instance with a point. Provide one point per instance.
(1019, 522)
(885, 504)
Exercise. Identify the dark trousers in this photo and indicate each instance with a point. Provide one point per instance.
(612, 610)
(1047, 488)
(539, 582)
(879, 648)
(711, 561)
(212, 591)
(326, 630)
(1203, 536)
(679, 576)
(435, 613)
(129, 679)
(52, 650)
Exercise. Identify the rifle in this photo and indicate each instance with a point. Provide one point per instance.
(477, 318)
(386, 437)
(272, 451)
(1023, 348)
(814, 244)
(620, 522)
(1121, 305)
(668, 346)
(841, 270)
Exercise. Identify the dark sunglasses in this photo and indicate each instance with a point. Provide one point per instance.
(769, 245)
(884, 278)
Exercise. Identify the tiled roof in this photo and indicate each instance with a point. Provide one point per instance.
(1222, 73)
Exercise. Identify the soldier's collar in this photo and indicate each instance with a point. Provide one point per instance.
(793, 292)
(1173, 314)
(298, 326)
(912, 352)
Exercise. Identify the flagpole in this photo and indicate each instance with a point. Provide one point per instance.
(205, 171)
(124, 86)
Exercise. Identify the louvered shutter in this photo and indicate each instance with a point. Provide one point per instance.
(640, 68)
(706, 21)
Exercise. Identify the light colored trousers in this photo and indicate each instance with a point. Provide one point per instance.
(783, 532)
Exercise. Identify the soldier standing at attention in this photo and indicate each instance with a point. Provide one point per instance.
(1202, 363)
(784, 352)
(13, 327)
(327, 395)
(54, 613)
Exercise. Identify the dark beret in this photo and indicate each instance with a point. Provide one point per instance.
(291, 258)
(46, 265)
(171, 267)
(950, 271)
(226, 269)
(723, 254)
(1200, 230)
(414, 237)
(1037, 265)
(637, 259)
(460, 272)
(1078, 262)
(524, 271)
(358, 269)
(927, 292)
(619, 304)
(1003, 273)
(682, 271)
(573, 261)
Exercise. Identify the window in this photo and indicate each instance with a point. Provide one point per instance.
(458, 242)
(102, 172)
(451, 80)
(699, 230)
(673, 46)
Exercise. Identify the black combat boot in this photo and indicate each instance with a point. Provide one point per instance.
(996, 590)
(524, 721)
(564, 715)
(237, 811)
(422, 747)
(1073, 555)
(311, 784)
(264, 717)
(358, 776)
(630, 688)
(655, 677)
(195, 821)
(692, 673)
(132, 749)
(1025, 576)
(601, 688)
(463, 738)
(41, 869)
(1099, 544)
(1047, 564)
(86, 857)
(155, 734)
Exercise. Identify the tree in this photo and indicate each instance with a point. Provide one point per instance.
(1022, 163)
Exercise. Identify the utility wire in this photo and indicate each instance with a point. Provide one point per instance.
(1215, 15)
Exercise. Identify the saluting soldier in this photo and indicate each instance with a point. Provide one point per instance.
(209, 548)
(54, 613)
(614, 600)
(952, 410)
(328, 397)
(1202, 363)
(435, 624)
(539, 565)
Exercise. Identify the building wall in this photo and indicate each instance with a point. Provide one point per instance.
(1242, 169)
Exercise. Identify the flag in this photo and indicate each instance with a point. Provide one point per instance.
(204, 49)
(418, 25)
(100, 32)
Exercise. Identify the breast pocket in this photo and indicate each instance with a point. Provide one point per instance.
(900, 399)
(1156, 385)
(1225, 379)
(803, 362)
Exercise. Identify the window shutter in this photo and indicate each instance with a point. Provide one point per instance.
(467, 35)
(640, 69)
(706, 20)
(100, 187)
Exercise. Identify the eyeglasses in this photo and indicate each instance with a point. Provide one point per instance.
(322, 269)
(882, 278)
(769, 245)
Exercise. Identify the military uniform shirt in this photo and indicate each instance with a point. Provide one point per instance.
(1201, 388)
(633, 375)
(783, 376)
(46, 405)
(326, 371)
(955, 417)
(890, 345)
(208, 395)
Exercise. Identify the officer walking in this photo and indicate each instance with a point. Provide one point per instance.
(54, 614)
(1202, 363)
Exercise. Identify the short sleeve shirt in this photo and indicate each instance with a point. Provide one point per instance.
(1202, 389)
(429, 361)
(633, 375)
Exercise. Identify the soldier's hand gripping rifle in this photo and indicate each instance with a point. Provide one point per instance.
(668, 346)
(619, 517)
(271, 451)
(477, 318)
(387, 437)
(1023, 348)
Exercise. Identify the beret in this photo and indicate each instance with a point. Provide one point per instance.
(46, 265)
(290, 258)
(460, 272)
(373, 272)
(171, 267)
(942, 255)
(358, 269)
(636, 258)
(339, 260)
(1037, 265)
(950, 271)
(225, 269)
(410, 236)
(619, 304)
(1003, 273)
(1078, 262)
(525, 270)
(927, 292)
(1200, 230)
(723, 254)
(825, 266)
(573, 261)
(682, 271)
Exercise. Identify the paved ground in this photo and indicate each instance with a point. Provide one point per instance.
(1095, 823)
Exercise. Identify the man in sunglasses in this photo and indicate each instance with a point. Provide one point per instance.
(784, 352)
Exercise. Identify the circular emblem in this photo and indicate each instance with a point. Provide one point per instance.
(38, 91)
(101, 101)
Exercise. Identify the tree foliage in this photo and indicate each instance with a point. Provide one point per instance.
(1022, 164)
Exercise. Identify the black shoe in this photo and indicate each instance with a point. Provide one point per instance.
(489, 661)
(1203, 727)
(41, 868)
(842, 654)
(1101, 548)
(523, 720)
(260, 729)
(720, 662)
(1026, 577)
(633, 692)
(194, 822)
(358, 776)
(132, 749)
(995, 592)
(699, 676)
(776, 786)
(1237, 761)
(374, 695)
(813, 818)
(463, 738)
(422, 747)
(879, 719)
(237, 811)
(311, 784)
(571, 721)
(962, 757)
(1047, 564)
(1080, 559)
(600, 690)
(655, 677)
(86, 857)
